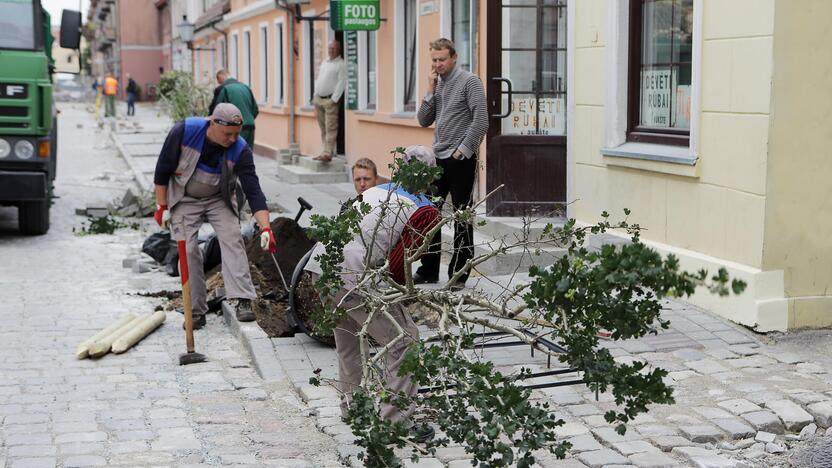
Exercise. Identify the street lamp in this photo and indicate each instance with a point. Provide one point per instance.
(186, 33)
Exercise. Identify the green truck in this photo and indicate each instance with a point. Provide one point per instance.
(28, 118)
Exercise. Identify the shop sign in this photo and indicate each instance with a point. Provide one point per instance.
(354, 15)
(351, 53)
(533, 116)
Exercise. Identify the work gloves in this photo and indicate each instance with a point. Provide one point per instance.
(267, 240)
(162, 216)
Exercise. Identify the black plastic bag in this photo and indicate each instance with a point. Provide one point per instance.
(158, 245)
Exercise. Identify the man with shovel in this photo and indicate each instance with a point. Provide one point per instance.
(196, 180)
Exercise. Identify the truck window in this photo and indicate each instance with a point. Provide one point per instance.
(17, 24)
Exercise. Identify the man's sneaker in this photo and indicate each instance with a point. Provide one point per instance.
(199, 322)
(422, 433)
(418, 278)
(244, 312)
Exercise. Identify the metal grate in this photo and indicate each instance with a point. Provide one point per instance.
(14, 111)
(818, 455)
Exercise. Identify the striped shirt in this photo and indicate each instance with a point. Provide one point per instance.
(459, 110)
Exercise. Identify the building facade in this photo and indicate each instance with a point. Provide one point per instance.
(128, 38)
(703, 120)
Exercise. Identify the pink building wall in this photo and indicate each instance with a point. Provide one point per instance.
(140, 43)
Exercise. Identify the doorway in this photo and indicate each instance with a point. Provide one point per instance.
(527, 93)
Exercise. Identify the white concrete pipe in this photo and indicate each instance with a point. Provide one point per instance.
(83, 349)
(139, 331)
(102, 346)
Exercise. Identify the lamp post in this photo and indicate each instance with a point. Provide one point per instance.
(186, 33)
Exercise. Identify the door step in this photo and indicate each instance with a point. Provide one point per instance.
(309, 171)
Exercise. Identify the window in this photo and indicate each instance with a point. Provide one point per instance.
(18, 25)
(221, 51)
(461, 32)
(407, 52)
(308, 59)
(247, 55)
(369, 69)
(278, 63)
(234, 65)
(661, 46)
(264, 63)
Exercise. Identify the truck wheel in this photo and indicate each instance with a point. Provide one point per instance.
(33, 217)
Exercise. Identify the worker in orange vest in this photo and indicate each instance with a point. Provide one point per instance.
(110, 91)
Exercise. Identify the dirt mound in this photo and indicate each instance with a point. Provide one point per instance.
(292, 245)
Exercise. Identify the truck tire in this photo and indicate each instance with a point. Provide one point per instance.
(33, 217)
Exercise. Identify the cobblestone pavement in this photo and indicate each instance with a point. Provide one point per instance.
(741, 400)
(135, 409)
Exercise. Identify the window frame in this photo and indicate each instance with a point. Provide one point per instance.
(264, 62)
(308, 53)
(450, 33)
(234, 54)
(279, 93)
(401, 71)
(367, 101)
(635, 132)
(247, 54)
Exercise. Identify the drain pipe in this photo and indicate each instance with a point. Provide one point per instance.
(292, 116)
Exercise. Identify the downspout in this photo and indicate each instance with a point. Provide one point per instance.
(292, 116)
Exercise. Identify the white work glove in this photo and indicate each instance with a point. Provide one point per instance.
(267, 240)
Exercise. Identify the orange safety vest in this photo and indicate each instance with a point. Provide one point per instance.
(110, 86)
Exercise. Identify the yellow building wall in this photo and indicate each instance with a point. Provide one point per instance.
(714, 213)
(799, 203)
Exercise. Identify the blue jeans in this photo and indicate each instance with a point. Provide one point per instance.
(131, 103)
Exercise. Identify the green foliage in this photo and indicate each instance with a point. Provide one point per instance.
(104, 225)
(617, 288)
(184, 97)
(415, 176)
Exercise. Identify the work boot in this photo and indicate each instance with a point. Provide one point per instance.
(244, 312)
(199, 322)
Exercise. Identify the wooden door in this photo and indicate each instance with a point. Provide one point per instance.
(526, 92)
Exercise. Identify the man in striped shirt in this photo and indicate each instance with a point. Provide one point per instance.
(456, 103)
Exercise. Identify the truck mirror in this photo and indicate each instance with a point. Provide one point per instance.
(70, 29)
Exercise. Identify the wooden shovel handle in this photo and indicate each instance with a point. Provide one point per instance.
(186, 295)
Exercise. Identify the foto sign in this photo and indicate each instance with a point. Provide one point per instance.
(354, 15)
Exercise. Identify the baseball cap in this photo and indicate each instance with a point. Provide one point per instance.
(227, 114)
(420, 152)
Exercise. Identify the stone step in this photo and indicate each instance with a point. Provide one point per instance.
(513, 227)
(297, 174)
(337, 165)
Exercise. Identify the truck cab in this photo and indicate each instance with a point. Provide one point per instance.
(28, 123)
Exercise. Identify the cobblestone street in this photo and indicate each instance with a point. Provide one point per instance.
(135, 409)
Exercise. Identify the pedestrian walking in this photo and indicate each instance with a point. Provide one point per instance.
(329, 87)
(456, 103)
(403, 218)
(110, 91)
(132, 90)
(232, 91)
(196, 180)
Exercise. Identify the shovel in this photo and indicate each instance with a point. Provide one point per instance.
(191, 357)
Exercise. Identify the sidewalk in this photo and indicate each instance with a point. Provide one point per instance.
(739, 402)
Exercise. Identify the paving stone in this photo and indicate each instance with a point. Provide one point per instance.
(652, 430)
(774, 447)
(636, 446)
(31, 450)
(702, 433)
(765, 437)
(739, 406)
(34, 462)
(653, 460)
(545, 463)
(667, 443)
(822, 412)
(571, 429)
(28, 439)
(599, 458)
(424, 463)
(709, 412)
(81, 437)
(706, 366)
(793, 416)
(808, 432)
(609, 436)
(84, 460)
(764, 421)
(584, 443)
(81, 448)
(175, 439)
(807, 398)
(765, 396)
(735, 428)
(447, 454)
(810, 368)
(584, 410)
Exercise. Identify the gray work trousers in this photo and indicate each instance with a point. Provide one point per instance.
(185, 219)
(382, 331)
